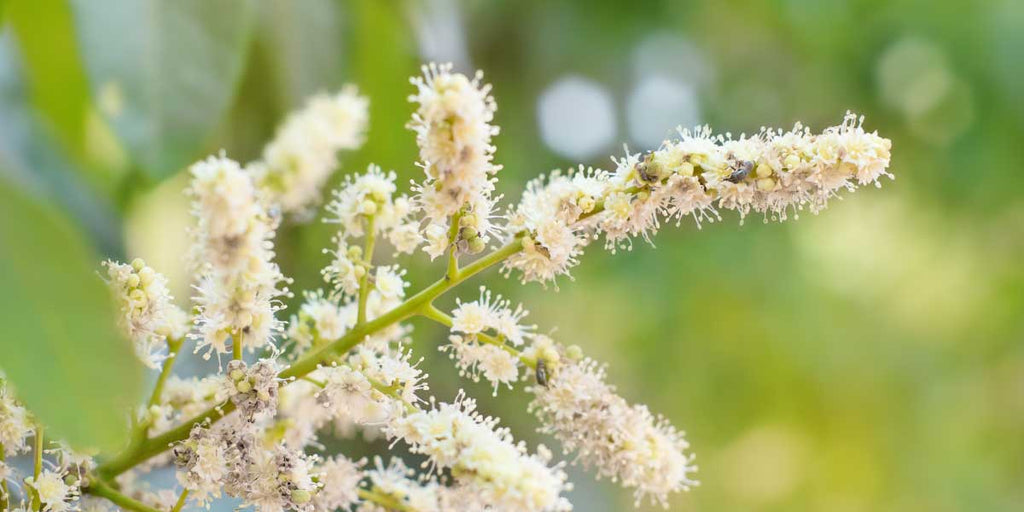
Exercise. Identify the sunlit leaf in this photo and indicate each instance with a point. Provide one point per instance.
(60, 347)
(163, 73)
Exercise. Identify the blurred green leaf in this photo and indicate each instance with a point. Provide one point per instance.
(54, 73)
(60, 346)
(304, 40)
(164, 73)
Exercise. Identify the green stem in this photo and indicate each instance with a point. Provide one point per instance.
(165, 371)
(181, 501)
(364, 288)
(4, 492)
(37, 468)
(157, 445)
(236, 345)
(98, 488)
(412, 306)
(453, 254)
(387, 501)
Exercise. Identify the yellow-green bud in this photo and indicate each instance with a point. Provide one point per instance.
(763, 170)
(368, 207)
(791, 162)
(243, 386)
(586, 203)
(477, 245)
(467, 220)
(765, 184)
(138, 295)
(138, 264)
(300, 496)
(147, 275)
(574, 352)
(133, 281)
(685, 169)
(469, 233)
(236, 375)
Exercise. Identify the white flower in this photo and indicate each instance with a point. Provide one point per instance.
(15, 423)
(390, 283)
(473, 359)
(436, 235)
(53, 492)
(348, 393)
(339, 479)
(302, 156)
(406, 237)
(202, 462)
(366, 195)
(320, 319)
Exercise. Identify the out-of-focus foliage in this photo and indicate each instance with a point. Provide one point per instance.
(869, 358)
(165, 81)
(60, 349)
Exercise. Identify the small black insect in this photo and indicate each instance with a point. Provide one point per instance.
(741, 172)
(646, 169)
(542, 373)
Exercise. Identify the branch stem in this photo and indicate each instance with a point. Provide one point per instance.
(4, 492)
(364, 282)
(37, 467)
(101, 489)
(412, 306)
(181, 501)
(385, 500)
(444, 319)
(173, 347)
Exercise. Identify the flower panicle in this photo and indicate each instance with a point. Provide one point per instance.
(775, 173)
(300, 159)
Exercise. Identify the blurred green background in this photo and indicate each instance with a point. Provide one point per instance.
(870, 358)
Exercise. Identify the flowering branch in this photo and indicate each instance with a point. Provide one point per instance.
(309, 363)
(347, 362)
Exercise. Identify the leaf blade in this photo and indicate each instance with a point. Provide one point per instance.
(61, 348)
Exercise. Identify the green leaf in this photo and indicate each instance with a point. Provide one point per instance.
(56, 80)
(60, 347)
(305, 43)
(164, 72)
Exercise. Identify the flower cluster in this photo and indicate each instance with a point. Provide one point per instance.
(55, 486)
(457, 437)
(233, 252)
(146, 311)
(343, 363)
(453, 130)
(15, 423)
(252, 389)
(771, 173)
(303, 154)
(620, 441)
(476, 352)
(230, 457)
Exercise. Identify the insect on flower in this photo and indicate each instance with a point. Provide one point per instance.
(542, 373)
